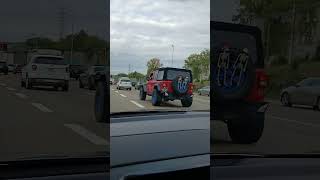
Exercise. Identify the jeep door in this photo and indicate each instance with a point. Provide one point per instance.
(151, 82)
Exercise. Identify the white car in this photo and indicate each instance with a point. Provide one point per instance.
(124, 83)
(46, 70)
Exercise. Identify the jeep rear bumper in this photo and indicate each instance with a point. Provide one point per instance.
(171, 96)
(234, 110)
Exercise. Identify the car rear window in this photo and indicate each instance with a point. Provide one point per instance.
(236, 40)
(125, 80)
(172, 74)
(50, 60)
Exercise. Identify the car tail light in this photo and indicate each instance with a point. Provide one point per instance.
(262, 80)
(34, 67)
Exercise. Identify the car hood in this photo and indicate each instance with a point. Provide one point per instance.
(150, 138)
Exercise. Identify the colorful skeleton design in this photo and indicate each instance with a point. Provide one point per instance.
(223, 65)
(240, 66)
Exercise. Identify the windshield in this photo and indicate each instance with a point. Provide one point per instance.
(125, 80)
(45, 114)
(172, 74)
(153, 48)
(50, 60)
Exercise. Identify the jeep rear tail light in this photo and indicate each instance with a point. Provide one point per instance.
(262, 80)
(34, 67)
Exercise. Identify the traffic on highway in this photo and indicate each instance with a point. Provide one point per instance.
(45, 115)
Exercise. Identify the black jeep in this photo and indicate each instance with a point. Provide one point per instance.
(238, 80)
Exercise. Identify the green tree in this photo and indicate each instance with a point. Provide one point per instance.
(153, 64)
(136, 75)
(199, 64)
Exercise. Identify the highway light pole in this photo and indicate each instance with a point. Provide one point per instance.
(172, 55)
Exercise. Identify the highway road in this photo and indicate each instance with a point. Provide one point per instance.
(292, 130)
(43, 123)
(125, 100)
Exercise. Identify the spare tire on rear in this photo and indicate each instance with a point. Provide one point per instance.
(231, 90)
(180, 85)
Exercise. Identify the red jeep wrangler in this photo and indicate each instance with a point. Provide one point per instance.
(166, 84)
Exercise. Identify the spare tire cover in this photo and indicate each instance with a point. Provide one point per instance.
(233, 74)
(180, 84)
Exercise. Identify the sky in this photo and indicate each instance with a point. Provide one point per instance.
(144, 29)
(21, 19)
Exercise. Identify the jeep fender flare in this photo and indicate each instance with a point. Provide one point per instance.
(144, 87)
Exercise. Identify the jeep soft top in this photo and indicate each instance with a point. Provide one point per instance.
(169, 73)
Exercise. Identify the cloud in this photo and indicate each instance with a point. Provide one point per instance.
(143, 29)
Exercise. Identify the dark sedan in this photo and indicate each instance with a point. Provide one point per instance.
(204, 91)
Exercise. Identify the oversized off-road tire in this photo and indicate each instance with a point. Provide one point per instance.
(100, 104)
(187, 102)
(285, 100)
(156, 98)
(230, 89)
(247, 129)
(142, 94)
(183, 89)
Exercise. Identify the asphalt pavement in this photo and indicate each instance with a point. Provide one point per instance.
(288, 130)
(44, 123)
(126, 100)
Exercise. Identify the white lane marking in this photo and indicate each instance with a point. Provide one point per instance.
(117, 91)
(41, 107)
(3, 84)
(295, 121)
(201, 100)
(93, 138)
(11, 89)
(21, 95)
(137, 104)
(123, 95)
(112, 89)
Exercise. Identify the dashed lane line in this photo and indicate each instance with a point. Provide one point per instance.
(123, 95)
(295, 121)
(41, 107)
(20, 95)
(93, 138)
(137, 104)
(117, 91)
